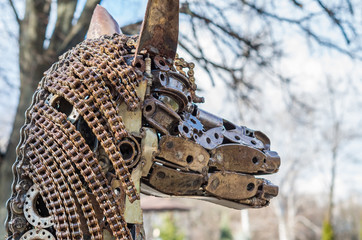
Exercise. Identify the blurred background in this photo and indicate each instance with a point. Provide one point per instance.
(290, 68)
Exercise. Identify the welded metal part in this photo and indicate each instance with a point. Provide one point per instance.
(159, 33)
(190, 127)
(184, 153)
(174, 182)
(174, 85)
(105, 122)
(207, 119)
(32, 214)
(159, 116)
(243, 136)
(211, 138)
(132, 211)
(264, 138)
(234, 186)
(149, 147)
(130, 151)
(36, 234)
(244, 159)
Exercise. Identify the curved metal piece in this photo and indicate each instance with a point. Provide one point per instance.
(159, 32)
(32, 214)
(36, 234)
(130, 151)
(244, 159)
(211, 138)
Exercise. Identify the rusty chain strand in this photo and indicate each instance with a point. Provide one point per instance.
(115, 69)
(53, 142)
(62, 230)
(92, 77)
(48, 191)
(19, 162)
(90, 167)
(101, 99)
(80, 99)
(62, 88)
(56, 176)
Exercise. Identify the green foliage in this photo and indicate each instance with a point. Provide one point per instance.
(327, 233)
(225, 233)
(169, 230)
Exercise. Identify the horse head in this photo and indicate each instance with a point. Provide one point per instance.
(117, 116)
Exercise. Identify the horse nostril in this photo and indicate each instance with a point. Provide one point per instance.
(250, 187)
(148, 108)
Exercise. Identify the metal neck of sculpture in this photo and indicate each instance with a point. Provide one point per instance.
(117, 116)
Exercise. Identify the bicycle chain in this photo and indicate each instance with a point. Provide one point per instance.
(94, 77)
(87, 165)
(83, 101)
(43, 161)
(47, 138)
(96, 123)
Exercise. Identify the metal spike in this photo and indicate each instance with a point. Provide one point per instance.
(159, 32)
(102, 23)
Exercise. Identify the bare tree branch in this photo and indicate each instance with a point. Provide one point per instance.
(80, 29)
(15, 11)
(299, 23)
(65, 13)
(332, 15)
(186, 10)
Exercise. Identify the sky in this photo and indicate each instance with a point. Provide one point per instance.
(308, 68)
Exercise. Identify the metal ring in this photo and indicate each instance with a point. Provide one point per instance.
(36, 234)
(130, 150)
(161, 63)
(31, 214)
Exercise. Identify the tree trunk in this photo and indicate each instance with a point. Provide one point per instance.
(31, 38)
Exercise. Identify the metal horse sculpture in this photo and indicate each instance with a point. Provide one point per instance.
(116, 116)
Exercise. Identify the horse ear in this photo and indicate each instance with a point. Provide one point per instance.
(102, 23)
(159, 32)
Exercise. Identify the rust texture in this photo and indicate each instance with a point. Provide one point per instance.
(108, 122)
(159, 32)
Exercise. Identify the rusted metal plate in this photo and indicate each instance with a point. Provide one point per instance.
(159, 32)
(173, 182)
(233, 186)
(133, 212)
(239, 158)
(149, 146)
(184, 153)
(133, 119)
